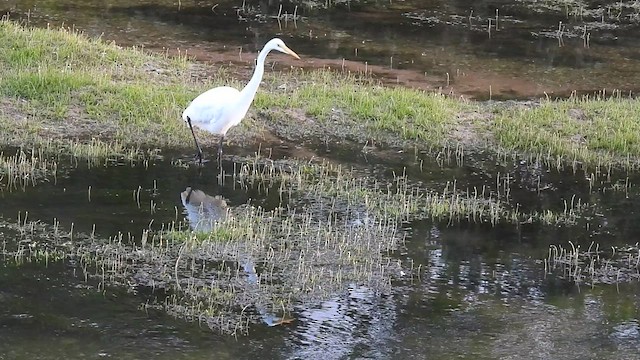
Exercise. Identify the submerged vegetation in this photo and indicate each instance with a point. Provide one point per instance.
(398, 198)
(253, 267)
(22, 170)
(596, 264)
(233, 267)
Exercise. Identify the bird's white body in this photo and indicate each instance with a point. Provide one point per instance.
(219, 109)
(209, 111)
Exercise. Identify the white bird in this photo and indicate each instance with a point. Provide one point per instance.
(219, 109)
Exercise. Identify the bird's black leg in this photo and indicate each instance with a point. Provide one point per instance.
(199, 154)
(220, 150)
(188, 195)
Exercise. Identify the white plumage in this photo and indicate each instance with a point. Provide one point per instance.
(219, 109)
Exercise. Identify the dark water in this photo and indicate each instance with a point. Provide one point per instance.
(533, 48)
(483, 292)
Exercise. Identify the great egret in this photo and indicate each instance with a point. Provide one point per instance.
(218, 109)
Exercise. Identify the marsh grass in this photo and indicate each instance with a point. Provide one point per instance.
(282, 259)
(30, 167)
(333, 230)
(34, 241)
(399, 198)
(594, 265)
(25, 169)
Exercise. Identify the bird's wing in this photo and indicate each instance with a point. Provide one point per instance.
(209, 111)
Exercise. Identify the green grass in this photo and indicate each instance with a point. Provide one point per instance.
(590, 131)
(223, 231)
(85, 83)
(62, 78)
(60, 84)
(332, 98)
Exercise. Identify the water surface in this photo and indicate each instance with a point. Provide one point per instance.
(482, 291)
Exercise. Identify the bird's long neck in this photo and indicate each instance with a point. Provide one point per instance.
(249, 92)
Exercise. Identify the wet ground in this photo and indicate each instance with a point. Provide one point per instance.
(476, 291)
(482, 49)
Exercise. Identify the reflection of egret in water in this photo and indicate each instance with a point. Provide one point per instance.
(268, 318)
(204, 212)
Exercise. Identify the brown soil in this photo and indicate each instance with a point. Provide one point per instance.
(468, 86)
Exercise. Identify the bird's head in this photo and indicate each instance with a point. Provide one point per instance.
(277, 44)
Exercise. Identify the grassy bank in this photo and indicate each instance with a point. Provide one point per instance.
(596, 131)
(59, 85)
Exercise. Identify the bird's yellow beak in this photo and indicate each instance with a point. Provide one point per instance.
(290, 52)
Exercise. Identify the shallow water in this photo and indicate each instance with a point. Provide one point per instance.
(533, 49)
(482, 291)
